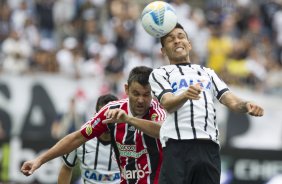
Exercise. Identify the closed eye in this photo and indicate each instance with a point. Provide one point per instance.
(181, 36)
(169, 39)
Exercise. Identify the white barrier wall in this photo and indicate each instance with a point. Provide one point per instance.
(28, 107)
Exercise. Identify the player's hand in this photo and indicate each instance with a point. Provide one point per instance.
(29, 167)
(193, 92)
(254, 109)
(115, 116)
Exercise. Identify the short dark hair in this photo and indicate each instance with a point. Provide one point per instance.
(178, 25)
(139, 74)
(104, 99)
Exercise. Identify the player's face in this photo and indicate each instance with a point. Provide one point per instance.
(139, 98)
(176, 46)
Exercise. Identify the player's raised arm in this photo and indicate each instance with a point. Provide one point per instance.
(64, 146)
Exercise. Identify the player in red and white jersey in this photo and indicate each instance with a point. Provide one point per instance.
(139, 155)
(134, 136)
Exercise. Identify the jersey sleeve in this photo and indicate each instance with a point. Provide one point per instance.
(94, 127)
(159, 83)
(219, 86)
(157, 114)
(70, 159)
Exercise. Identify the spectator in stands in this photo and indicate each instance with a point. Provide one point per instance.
(44, 12)
(5, 23)
(219, 47)
(70, 58)
(19, 16)
(277, 27)
(17, 53)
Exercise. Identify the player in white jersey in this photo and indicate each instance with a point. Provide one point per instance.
(189, 135)
(96, 158)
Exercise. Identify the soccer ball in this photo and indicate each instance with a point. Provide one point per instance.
(158, 18)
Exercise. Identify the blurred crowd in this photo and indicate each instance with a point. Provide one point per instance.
(241, 39)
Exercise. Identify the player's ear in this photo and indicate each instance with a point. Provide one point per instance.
(190, 45)
(163, 51)
(126, 89)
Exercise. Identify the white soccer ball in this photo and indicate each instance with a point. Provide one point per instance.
(158, 18)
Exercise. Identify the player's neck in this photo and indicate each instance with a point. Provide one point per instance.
(138, 116)
(181, 61)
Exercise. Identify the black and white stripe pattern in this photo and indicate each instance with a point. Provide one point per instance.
(94, 157)
(196, 118)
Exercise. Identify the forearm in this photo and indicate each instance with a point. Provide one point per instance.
(240, 107)
(65, 175)
(148, 127)
(234, 103)
(172, 103)
(64, 146)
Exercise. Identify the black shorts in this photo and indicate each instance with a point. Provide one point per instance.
(190, 162)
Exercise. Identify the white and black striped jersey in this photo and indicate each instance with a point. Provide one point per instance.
(97, 163)
(196, 119)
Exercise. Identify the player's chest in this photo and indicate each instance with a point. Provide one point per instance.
(127, 134)
(182, 80)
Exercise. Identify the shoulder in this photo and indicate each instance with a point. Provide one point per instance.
(157, 108)
(121, 104)
(163, 69)
(196, 66)
(116, 104)
(154, 104)
(157, 116)
(203, 68)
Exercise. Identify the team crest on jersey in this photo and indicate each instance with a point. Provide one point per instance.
(88, 129)
(154, 116)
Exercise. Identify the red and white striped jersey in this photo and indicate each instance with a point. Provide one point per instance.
(139, 156)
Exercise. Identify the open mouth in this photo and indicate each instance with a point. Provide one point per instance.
(179, 49)
(140, 107)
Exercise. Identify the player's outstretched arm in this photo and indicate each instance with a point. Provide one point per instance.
(65, 175)
(238, 105)
(150, 128)
(64, 146)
